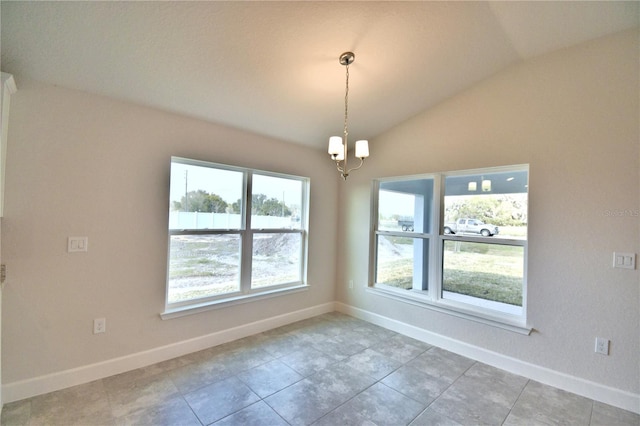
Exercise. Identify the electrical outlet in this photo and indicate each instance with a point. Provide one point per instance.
(602, 346)
(99, 325)
(350, 283)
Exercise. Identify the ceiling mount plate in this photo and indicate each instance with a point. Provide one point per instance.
(347, 58)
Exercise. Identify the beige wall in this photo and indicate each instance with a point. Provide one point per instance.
(574, 117)
(84, 165)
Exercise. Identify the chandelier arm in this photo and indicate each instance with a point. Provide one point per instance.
(356, 168)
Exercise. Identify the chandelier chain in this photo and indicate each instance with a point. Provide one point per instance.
(346, 105)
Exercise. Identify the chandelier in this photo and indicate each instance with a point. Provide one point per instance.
(338, 149)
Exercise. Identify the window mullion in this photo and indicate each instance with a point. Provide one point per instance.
(247, 237)
(435, 252)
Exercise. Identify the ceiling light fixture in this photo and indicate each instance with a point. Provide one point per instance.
(338, 149)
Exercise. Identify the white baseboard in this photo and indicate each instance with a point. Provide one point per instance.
(51, 382)
(598, 392)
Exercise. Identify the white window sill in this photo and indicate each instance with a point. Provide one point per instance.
(506, 322)
(196, 308)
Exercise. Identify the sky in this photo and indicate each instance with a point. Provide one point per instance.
(228, 184)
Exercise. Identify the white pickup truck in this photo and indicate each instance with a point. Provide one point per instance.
(471, 226)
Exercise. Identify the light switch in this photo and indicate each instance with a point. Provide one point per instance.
(77, 244)
(624, 260)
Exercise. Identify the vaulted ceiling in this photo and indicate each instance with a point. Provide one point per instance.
(272, 67)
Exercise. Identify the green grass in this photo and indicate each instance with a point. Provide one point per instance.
(396, 273)
(496, 287)
(485, 271)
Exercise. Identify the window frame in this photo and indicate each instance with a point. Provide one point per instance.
(246, 234)
(432, 298)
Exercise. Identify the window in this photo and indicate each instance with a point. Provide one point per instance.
(455, 241)
(404, 234)
(233, 233)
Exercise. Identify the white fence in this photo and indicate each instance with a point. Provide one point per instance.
(197, 220)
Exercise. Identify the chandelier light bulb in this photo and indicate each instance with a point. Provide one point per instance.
(335, 145)
(362, 149)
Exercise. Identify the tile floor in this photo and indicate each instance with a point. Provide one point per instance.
(328, 370)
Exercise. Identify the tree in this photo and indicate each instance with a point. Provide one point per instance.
(201, 201)
(263, 206)
(501, 210)
(235, 207)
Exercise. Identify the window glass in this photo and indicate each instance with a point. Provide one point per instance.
(402, 262)
(489, 275)
(405, 205)
(276, 259)
(205, 197)
(203, 266)
(490, 204)
(275, 202)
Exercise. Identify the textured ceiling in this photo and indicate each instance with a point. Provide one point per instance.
(272, 67)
